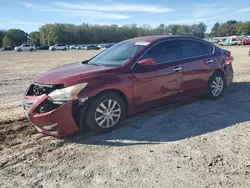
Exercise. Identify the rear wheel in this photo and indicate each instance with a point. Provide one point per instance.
(105, 112)
(216, 86)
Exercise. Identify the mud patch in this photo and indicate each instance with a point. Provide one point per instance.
(11, 133)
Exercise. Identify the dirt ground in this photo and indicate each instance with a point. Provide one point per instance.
(198, 144)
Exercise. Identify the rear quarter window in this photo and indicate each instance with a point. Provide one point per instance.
(190, 48)
(208, 49)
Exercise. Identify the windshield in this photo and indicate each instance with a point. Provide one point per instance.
(118, 54)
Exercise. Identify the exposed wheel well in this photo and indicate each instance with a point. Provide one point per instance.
(218, 70)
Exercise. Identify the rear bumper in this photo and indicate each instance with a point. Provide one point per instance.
(229, 74)
(58, 122)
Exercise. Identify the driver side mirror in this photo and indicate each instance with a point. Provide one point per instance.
(146, 62)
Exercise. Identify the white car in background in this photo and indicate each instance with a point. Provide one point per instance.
(63, 47)
(73, 47)
(25, 47)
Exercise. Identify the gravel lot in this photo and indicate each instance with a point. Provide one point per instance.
(197, 144)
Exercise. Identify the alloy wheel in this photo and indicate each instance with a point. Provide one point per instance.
(108, 113)
(217, 86)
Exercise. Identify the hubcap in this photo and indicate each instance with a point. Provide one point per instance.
(108, 113)
(217, 86)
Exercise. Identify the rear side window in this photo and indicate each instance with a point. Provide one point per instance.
(190, 48)
(163, 52)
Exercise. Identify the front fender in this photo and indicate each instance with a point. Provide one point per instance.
(119, 83)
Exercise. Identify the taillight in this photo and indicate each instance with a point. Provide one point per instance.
(226, 57)
(229, 60)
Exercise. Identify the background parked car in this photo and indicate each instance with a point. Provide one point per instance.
(92, 47)
(42, 48)
(81, 47)
(234, 41)
(8, 48)
(26, 47)
(107, 45)
(223, 42)
(72, 47)
(245, 40)
(63, 47)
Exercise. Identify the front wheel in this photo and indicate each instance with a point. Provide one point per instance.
(31, 49)
(105, 112)
(19, 50)
(64, 49)
(216, 86)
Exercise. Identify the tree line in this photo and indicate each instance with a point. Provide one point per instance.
(230, 28)
(50, 34)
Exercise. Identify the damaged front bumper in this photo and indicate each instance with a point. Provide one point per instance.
(50, 118)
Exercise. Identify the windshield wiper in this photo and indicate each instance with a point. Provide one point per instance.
(95, 64)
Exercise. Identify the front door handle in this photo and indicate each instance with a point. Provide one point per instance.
(209, 61)
(177, 69)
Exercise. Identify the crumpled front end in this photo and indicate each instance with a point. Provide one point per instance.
(48, 117)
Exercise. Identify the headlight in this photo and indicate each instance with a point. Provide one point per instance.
(67, 93)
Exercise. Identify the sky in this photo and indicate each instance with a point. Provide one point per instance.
(29, 15)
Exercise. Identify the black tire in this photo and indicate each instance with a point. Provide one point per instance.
(90, 112)
(65, 49)
(31, 49)
(53, 49)
(210, 95)
(249, 53)
(19, 50)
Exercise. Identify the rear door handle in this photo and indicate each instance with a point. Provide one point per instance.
(177, 69)
(209, 61)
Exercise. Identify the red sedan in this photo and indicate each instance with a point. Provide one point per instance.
(130, 77)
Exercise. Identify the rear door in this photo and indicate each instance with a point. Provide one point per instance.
(26, 47)
(199, 63)
(153, 85)
(60, 46)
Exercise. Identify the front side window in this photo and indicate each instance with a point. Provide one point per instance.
(26, 45)
(118, 54)
(191, 48)
(163, 52)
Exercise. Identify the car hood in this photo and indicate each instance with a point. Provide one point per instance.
(70, 74)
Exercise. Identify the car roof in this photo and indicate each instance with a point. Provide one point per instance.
(155, 38)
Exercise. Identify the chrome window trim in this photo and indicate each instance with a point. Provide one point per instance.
(177, 39)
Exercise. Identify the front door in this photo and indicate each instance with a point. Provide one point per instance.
(160, 83)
